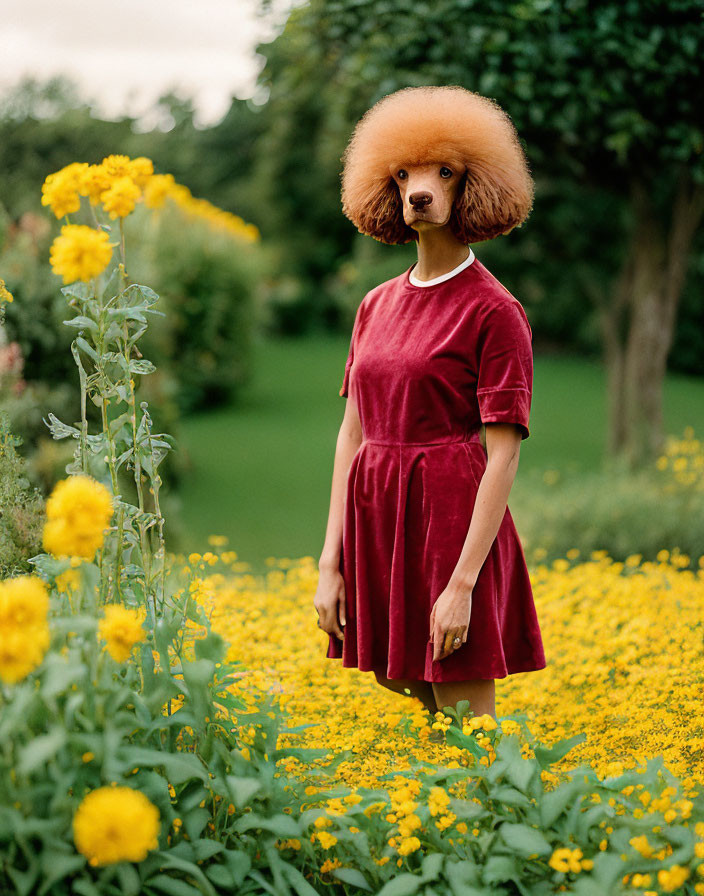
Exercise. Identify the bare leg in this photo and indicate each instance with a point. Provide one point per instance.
(480, 692)
(421, 689)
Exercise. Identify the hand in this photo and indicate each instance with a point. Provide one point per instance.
(449, 619)
(329, 601)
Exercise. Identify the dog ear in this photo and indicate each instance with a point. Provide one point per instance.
(487, 206)
(379, 214)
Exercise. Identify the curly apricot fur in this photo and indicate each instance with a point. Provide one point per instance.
(449, 125)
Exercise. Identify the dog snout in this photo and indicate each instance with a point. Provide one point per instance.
(420, 200)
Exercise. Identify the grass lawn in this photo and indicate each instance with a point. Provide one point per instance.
(262, 470)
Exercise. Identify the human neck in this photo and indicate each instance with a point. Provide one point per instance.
(439, 251)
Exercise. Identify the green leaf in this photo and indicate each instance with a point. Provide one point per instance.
(509, 796)
(78, 290)
(519, 771)
(297, 881)
(130, 882)
(524, 839)
(351, 876)
(221, 876)
(402, 885)
(81, 323)
(59, 674)
(61, 430)
(282, 825)
(41, 750)
(84, 887)
(212, 647)
(180, 767)
(608, 869)
(24, 881)
(546, 757)
(461, 875)
(239, 864)
(87, 348)
(555, 802)
(499, 869)
(242, 789)
(169, 860)
(195, 821)
(56, 866)
(143, 366)
(432, 866)
(173, 886)
(205, 849)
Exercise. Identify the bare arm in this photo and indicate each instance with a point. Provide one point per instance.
(450, 615)
(503, 445)
(349, 439)
(329, 599)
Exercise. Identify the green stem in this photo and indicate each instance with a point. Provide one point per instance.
(143, 540)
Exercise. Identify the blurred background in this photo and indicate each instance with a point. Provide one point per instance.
(250, 105)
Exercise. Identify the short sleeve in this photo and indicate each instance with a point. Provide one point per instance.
(505, 378)
(350, 355)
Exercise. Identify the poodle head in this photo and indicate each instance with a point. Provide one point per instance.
(429, 156)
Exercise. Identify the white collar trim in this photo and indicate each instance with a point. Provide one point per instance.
(441, 279)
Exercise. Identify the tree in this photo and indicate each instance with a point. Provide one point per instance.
(607, 92)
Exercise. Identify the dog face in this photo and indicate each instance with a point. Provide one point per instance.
(427, 192)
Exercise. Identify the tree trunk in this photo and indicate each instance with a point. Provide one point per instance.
(638, 324)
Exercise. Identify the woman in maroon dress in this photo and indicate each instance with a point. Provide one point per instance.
(423, 579)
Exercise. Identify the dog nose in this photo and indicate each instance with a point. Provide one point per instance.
(420, 200)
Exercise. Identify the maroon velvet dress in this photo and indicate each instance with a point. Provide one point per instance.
(427, 366)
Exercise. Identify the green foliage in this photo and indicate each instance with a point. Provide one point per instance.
(21, 507)
(613, 510)
(207, 289)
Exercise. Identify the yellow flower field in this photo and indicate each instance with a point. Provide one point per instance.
(623, 643)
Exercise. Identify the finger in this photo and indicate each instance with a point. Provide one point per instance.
(341, 608)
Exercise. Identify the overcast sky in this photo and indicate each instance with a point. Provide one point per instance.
(124, 54)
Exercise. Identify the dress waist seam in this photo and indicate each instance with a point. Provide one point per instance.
(473, 438)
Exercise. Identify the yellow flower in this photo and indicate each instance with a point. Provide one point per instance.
(5, 294)
(510, 726)
(68, 580)
(326, 840)
(80, 252)
(21, 652)
(408, 845)
(560, 859)
(122, 628)
(329, 864)
(24, 602)
(94, 181)
(157, 188)
(672, 878)
(445, 821)
(78, 511)
(116, 824)
(117, 166)
(60, 189)
(120, 199)
(438, 800)
(641, 845)
(24, 631)
(407, 825)
(140, 170)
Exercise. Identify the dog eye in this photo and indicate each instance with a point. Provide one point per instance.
(445, 172)
(402, 174)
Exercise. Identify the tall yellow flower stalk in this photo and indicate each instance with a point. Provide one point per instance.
(78, 512)
(24, 630)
